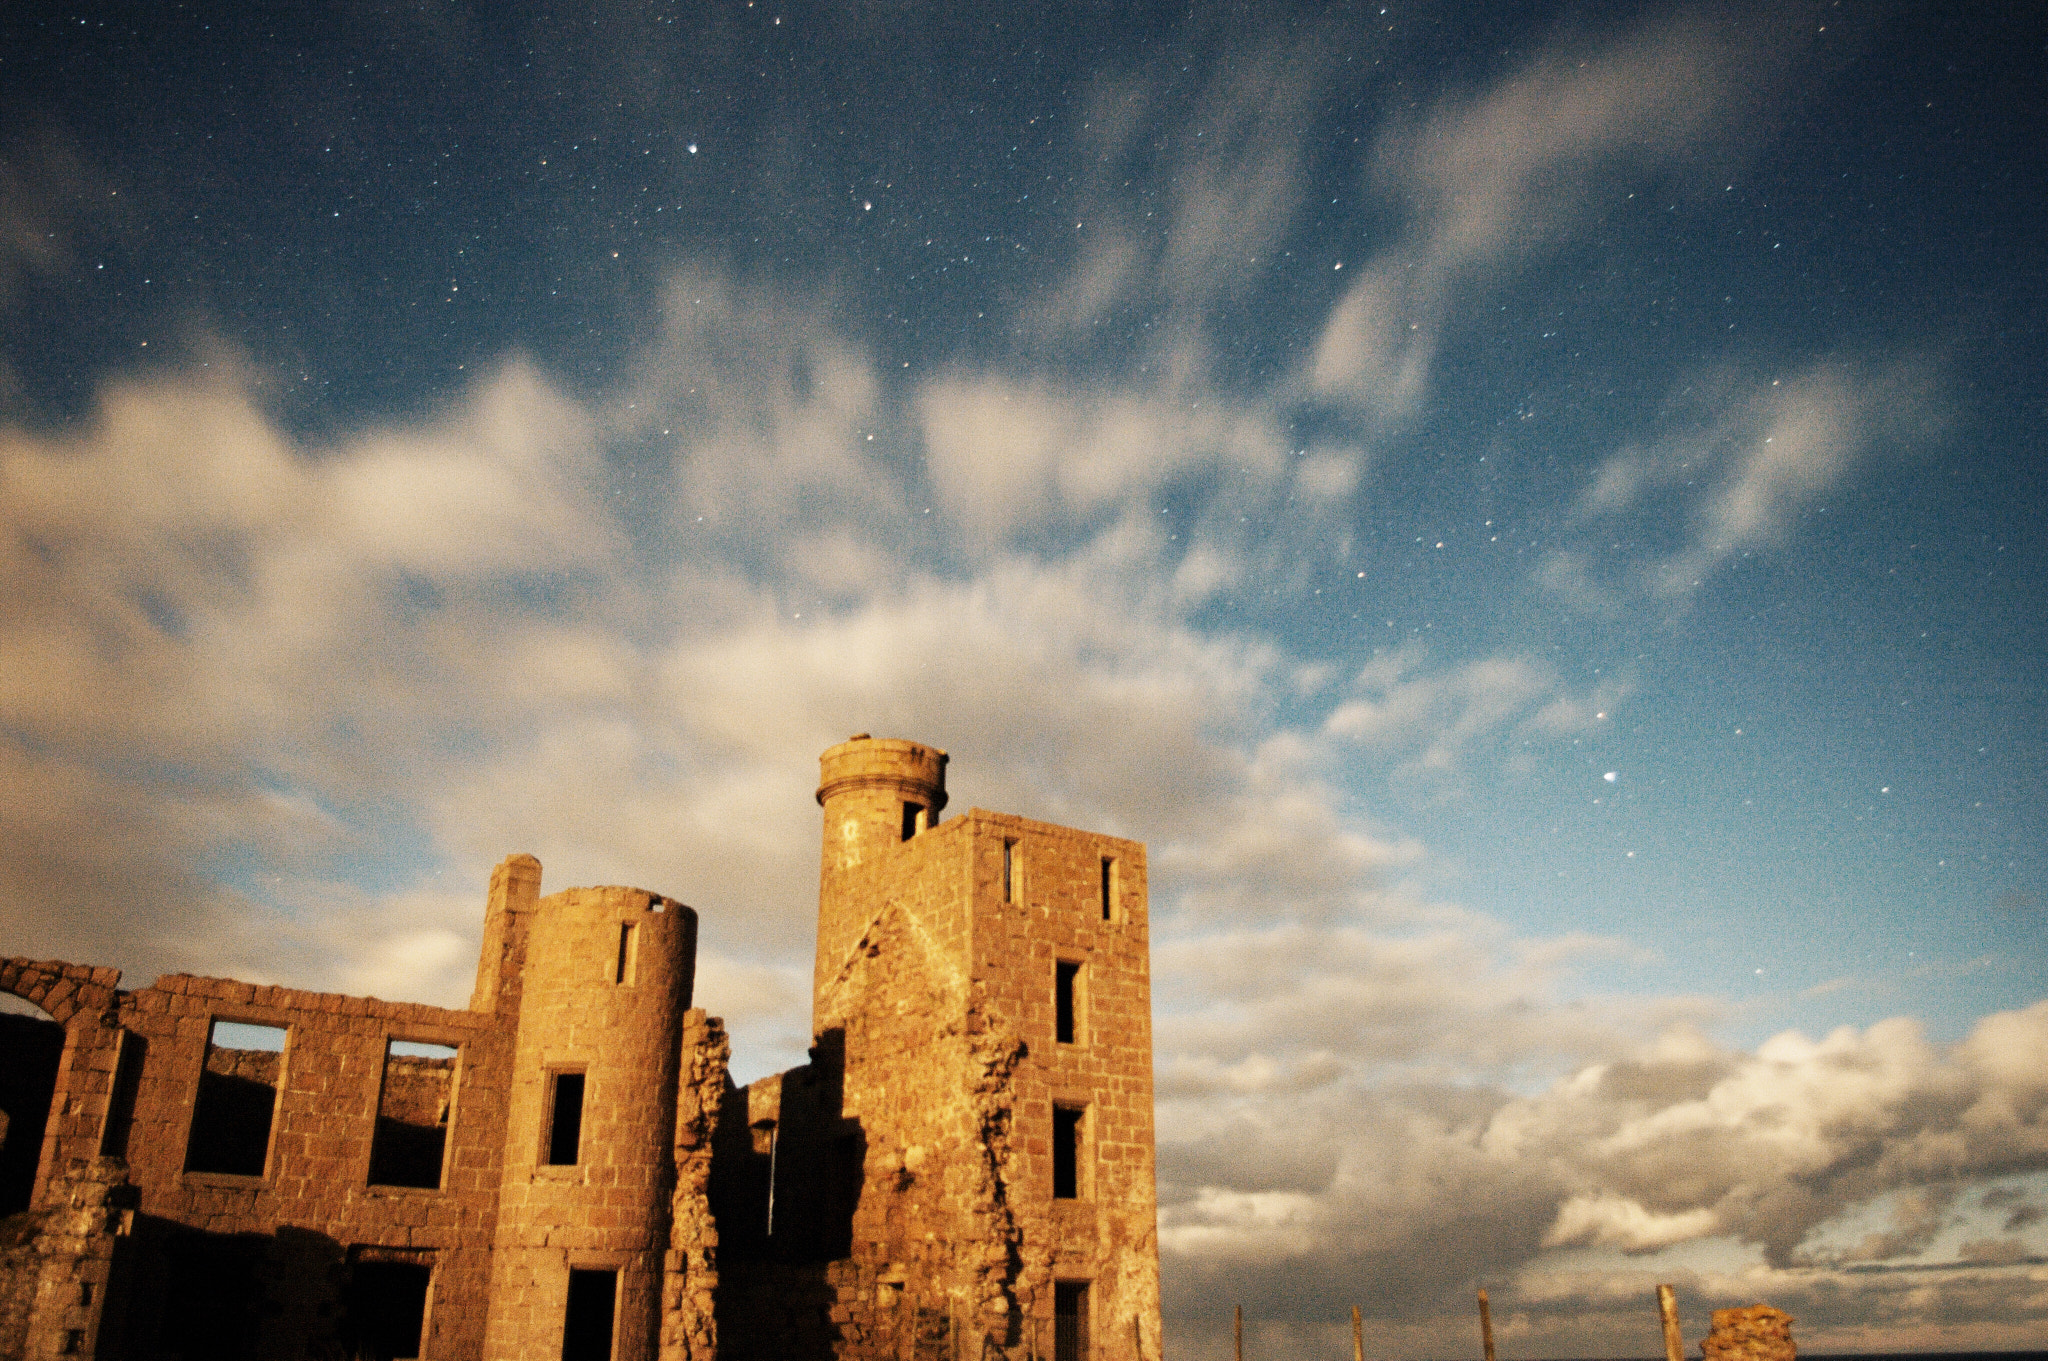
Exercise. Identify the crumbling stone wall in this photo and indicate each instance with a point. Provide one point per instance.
(417, 1090)
(896, 1197)
(54, 1303)
(1107, 1234)
(1755, 1333)
(939, 1067)
(316, 1177)
(19, 1272)
(690, 1280)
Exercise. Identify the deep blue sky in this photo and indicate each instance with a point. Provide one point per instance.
(1532, 512)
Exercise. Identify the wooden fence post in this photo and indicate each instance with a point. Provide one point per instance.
(1667, 1309)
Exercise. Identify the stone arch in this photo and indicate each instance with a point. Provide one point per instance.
(84, 1001)
(33, 1043)
(63, 990)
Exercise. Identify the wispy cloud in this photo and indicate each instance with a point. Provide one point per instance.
(1489, 178)
(1744, 458)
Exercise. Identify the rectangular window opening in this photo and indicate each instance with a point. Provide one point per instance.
(1065, 977)
(1011, 872)
(237, 1099)
(565, 1119)
(1066, 1151)
(629, 953)
(587, 1324)
(411, 1139)
(913, 820)
(1070, 1321)
(1109, 888)
(387, 1309)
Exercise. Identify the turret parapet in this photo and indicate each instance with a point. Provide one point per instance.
(916, 772)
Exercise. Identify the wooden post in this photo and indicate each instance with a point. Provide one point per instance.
(1357, 1336)
(1667, 1308)
(1485, 1324)
(1237, 1329)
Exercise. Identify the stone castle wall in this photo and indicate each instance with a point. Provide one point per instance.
(893, 1198)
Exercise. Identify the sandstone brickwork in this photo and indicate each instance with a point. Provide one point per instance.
(564, 1168)
(1755, 1333)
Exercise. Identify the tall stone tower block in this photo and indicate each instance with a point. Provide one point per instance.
(877, 794)
(983, 1019)
(590, 1115)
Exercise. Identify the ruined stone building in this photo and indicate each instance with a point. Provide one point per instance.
(963, 1170)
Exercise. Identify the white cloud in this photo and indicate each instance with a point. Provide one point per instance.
(1428, 723)
(1290, 1181)
(1605, 1219)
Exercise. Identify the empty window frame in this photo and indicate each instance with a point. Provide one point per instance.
(237, 1099)
(563, 1141)
(1066, 1001)
(387, 1309)
(1069, 1125)
(413, 1106)
(628, 961)
(913, 820)
(1109, 888)
(1013, 871)
(1070, 1321)
(587, 1322)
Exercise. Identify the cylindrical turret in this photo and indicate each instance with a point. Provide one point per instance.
(876, 793)
(590, 1127)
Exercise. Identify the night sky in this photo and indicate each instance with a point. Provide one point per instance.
(1533, 513)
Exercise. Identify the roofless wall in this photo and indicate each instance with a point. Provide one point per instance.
(564, 1169)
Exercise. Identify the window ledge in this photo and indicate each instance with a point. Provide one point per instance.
(227, 1180)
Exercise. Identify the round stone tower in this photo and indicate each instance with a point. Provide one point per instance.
(590, 1126)
(876, 793)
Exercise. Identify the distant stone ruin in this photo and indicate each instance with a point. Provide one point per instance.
(962, 1172)
(1756, 1333)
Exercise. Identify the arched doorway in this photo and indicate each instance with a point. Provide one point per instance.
(33, 1042)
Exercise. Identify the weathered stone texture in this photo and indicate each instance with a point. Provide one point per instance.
(893, 1198)
(1755, 1333)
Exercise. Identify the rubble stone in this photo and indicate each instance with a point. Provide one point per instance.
(1755, 1333)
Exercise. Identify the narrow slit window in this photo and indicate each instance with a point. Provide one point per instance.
(587, 1324)
(237, 1099)
(913, 820)
(565, 1120)
(1066, 1152)
(411, 1139)
(1070, 1321)
(629, 953)
(121, 1103)
(1066, 977)
(1011, 872)
(1109, 888)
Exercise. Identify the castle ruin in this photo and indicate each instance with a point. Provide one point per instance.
(963, 1171)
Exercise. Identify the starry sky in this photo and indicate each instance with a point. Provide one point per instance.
(1531, 512)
